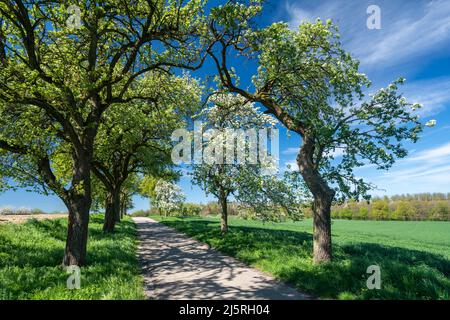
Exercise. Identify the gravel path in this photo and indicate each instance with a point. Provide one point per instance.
(176, 266)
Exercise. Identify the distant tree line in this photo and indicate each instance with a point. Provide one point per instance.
(422, 206)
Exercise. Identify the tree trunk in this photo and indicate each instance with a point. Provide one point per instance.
(112, 210)
(323, 198)
(78, 202)
(117, 214)
(122, 209)
(77, 233)
(123, 206)
(322, 228)
(224, 215)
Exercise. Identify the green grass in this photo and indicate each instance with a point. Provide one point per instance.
(414, 257)
(31, 255)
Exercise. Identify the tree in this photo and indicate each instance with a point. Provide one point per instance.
(135, 138)
(129, 189)
(380, 209)
(58, 78)
(147, 184)
(313, 87)
(235, 162)
(404, 210)
(168, 197)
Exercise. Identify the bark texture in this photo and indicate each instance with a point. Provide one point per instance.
(323, 198)
(78, 201)
(112, 210)
(224, 214)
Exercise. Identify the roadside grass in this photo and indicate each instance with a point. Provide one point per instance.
(31, 255)
(414, 257)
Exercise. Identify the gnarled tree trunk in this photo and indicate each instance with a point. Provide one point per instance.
(323, 198)
(322, 227)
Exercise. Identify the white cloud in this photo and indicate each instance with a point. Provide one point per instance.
(433, 94)
(338, 152)
(290, 151)
(290, 165)
(438, 154)
(411, 36)
(408, 30)
(424, 171)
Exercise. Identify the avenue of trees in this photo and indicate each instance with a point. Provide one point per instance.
(87, 112)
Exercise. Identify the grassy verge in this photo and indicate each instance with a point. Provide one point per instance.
(31, 255)
(414, 257)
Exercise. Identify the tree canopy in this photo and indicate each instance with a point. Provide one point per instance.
(57, 82)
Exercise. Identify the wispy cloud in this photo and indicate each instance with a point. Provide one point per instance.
(438, 154)
(411, 33)
(290, 151)
(409, 30)
(433, 94)
(424, 171)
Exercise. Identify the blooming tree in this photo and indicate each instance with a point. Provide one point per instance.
(314, 88)
(168, 196)
(235, 158)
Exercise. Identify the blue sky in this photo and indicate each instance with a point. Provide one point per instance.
(413, 42)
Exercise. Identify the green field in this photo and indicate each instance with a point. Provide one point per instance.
(414, 256)
(31, 255)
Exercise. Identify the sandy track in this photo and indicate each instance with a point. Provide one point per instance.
(22, 218)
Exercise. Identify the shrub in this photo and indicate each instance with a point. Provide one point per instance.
(440, 211)
(404, 211)
(140, 213)
(37, 211)
(191, 209)
(363, 213)
(380, 209)
(9, 210)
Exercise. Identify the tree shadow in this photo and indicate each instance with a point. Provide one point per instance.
(177, 267)
(405, 273)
